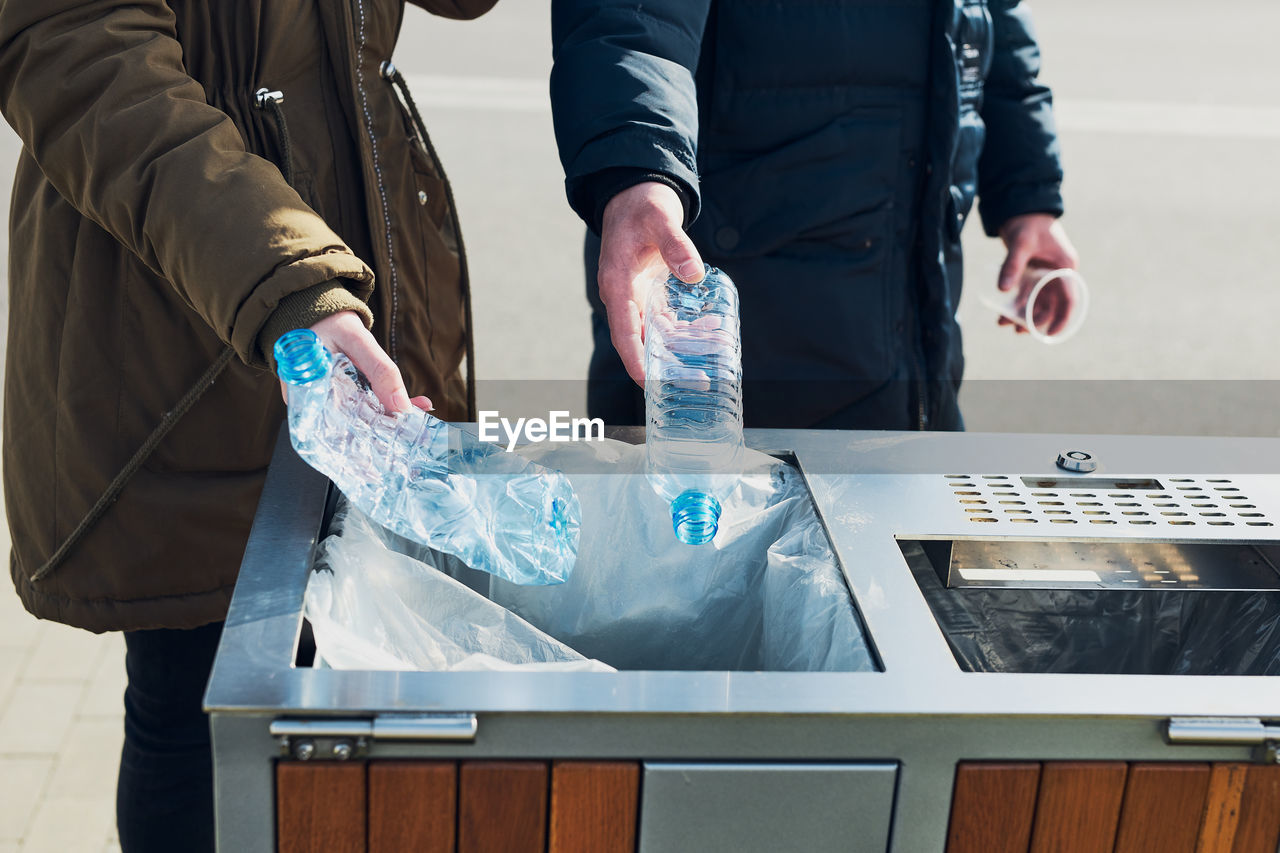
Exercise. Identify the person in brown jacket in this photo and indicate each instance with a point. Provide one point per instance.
(196, 179)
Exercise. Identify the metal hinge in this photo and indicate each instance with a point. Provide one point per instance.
(342, 740)
(1240, 731)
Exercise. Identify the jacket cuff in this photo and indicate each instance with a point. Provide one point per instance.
(599, 189)
(304, 309)
(647, 154)
(1017, 201)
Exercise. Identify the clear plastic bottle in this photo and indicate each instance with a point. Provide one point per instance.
(425, 479)
(693, 399)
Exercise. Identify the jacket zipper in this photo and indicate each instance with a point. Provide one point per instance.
(362, 104)
(921, 399)
(920, 371)
(354, 43)
(918, 365)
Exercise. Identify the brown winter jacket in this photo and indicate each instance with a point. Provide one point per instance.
(152, 227)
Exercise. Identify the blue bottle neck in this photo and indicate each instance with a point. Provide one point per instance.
(301, 358)
(695, 517)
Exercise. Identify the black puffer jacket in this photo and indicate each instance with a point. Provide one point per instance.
(829, 153)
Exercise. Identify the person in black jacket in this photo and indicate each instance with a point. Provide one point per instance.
(826, 156)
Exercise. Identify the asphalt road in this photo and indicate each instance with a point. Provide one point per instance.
(1170, 119)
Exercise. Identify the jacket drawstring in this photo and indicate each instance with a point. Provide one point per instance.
(264, 98)
(389, 71)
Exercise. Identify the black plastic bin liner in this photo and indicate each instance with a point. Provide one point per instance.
(1133, 632)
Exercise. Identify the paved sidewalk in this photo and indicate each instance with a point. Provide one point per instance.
(61, 726)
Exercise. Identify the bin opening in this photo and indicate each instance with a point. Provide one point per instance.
(768, 594)
(1126, 607)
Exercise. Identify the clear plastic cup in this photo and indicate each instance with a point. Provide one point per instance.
(1034, 305)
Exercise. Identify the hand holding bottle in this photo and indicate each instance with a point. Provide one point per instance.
(641, 240)
(345, 333)
(424, 479)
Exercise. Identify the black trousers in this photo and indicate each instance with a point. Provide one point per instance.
(164, 797)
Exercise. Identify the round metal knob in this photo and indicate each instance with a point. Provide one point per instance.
(1078, 461)
(304, 750)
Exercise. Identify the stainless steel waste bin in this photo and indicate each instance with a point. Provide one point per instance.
(960, 741)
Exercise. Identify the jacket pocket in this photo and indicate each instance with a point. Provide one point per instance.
(429, 182)
(828, 194)
(806, 232)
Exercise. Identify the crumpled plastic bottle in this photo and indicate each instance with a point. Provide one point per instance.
(693, 399)
(429, 481)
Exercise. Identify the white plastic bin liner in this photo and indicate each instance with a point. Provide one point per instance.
(766, 594)
(372, 607)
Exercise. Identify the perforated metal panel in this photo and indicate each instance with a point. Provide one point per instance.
(1157, 503)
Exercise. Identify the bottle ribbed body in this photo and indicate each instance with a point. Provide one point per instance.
(424, 479)
(693, 399)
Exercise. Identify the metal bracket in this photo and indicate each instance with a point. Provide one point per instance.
(323, 748)
(1242, 731)
(342, 740)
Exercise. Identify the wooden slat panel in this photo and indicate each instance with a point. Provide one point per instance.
(992, 808)
(594, 806)
(1163, 805)
(413, 805)
(1078, 808)
(320, 808)
(1222, 808)
(502, 807)
(1259, 830)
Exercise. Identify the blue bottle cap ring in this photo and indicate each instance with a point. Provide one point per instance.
(301, 358)
(695, 517)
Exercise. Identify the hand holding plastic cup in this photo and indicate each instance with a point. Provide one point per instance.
(1049, 304)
